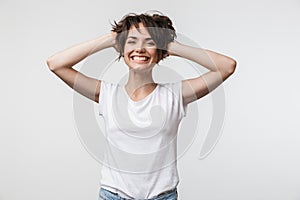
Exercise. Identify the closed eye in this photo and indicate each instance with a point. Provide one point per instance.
(130, 42)
(151, 43)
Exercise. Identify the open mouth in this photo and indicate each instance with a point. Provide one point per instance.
(140, 58)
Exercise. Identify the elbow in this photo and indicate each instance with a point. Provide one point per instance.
(231, 66)
(51, 64)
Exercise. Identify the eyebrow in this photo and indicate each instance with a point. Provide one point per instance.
(135, 38)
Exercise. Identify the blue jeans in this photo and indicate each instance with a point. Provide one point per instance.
(107, 195)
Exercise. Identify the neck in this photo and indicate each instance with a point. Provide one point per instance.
(140, 81)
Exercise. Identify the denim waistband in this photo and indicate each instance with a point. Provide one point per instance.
(106, 194)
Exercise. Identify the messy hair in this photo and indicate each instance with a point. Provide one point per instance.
(159, 26)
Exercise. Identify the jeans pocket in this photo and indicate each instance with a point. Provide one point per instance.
(107, 195)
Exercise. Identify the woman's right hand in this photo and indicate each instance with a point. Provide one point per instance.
(115, 45)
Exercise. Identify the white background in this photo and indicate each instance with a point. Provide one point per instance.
(258, 155)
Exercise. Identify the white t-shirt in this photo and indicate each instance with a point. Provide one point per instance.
(140, 158)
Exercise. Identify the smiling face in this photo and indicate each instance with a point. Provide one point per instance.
(140, 50)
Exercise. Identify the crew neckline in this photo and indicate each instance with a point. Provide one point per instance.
(143, 99)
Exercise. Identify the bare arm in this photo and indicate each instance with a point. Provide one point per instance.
(220, 66)
(62, 62)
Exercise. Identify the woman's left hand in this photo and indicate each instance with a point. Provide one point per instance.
(172, 47)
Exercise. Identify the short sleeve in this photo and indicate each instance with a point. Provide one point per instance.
(107, 89)
(183, 107)
(180, 107)
(102, 97)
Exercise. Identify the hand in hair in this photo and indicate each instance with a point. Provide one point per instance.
(115, 46)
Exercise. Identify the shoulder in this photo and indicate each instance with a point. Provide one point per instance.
(174, 93)
(173, 88)
(108, 85)
(172, 85)
(107, 88)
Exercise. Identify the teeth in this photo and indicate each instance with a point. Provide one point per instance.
(139, 58)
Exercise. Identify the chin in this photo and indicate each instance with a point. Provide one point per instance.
(140, 67)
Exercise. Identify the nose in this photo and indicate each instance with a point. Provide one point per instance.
(140, 48)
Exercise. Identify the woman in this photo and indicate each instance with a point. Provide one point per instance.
(143, 41)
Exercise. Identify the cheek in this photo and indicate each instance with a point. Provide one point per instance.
(126, 49)
(152, 51)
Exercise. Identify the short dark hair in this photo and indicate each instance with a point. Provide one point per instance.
(159, 26)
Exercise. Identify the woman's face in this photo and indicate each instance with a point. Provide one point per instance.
(140, 49)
